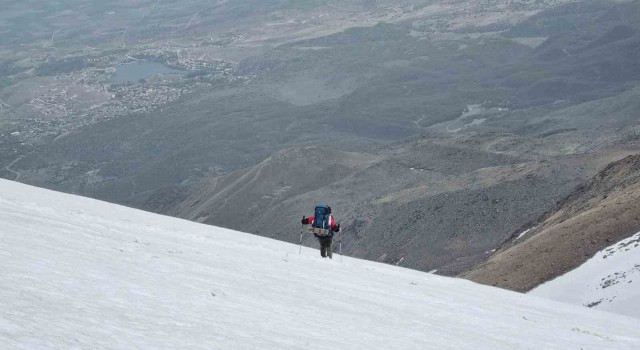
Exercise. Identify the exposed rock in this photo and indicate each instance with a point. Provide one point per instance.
(603, 210)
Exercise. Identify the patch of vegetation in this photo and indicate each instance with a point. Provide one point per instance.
(8, 69)
(300, 4)
(199, 73)
(4, 82)
(570, 18)
(493, 27)
(62, 66)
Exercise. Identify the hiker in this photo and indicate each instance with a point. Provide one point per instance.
(323, 226)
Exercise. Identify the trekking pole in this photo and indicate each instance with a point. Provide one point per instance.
(301, 230)
(340, 245)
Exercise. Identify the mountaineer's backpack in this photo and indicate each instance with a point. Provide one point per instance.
(322, 220)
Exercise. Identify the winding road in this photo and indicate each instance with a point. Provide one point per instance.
(17, 173)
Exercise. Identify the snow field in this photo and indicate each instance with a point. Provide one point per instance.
(609, 281)
(77, 273)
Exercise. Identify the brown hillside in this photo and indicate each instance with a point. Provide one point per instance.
(434, 202)
(240, 197)
(598, 213)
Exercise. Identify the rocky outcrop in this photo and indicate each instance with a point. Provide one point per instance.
(597, 214)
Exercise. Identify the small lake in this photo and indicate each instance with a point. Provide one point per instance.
(141, 70)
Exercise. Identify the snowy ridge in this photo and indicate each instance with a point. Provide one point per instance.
(609, 281)
(79, 273)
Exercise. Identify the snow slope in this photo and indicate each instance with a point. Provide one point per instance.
(609, 281)
(76, 273)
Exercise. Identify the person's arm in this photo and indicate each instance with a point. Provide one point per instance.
(307, 221)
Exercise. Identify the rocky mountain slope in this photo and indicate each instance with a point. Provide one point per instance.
(241, 197)
(597, 214)
(433, 202)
